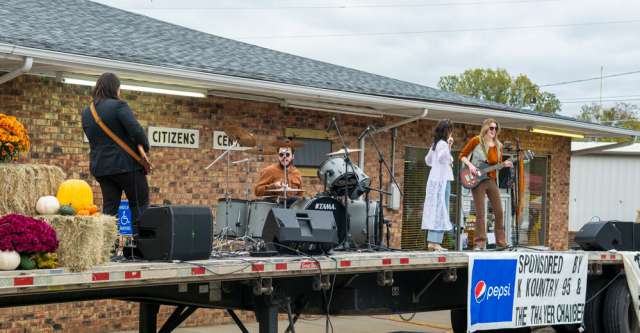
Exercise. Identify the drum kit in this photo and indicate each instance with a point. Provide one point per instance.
(345, 195)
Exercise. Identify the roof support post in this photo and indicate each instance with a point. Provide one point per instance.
(27, 63)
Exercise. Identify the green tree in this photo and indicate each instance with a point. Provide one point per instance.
(623, 115)
(498, 86)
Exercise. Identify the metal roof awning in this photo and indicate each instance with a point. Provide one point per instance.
(57, 64)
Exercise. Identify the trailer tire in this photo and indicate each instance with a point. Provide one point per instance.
(459, 320)
(619, 314)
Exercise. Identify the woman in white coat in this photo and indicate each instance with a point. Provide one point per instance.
(435, 214)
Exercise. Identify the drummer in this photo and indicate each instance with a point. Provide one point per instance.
(273, 176)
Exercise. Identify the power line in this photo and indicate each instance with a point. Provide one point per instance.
(504, 28)
(577, 99)
(590, 79)
(597, 101)
(350, 6)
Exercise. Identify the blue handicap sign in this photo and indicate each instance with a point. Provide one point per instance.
(124, 218)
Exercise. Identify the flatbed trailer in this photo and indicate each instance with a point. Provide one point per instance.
(343, 283)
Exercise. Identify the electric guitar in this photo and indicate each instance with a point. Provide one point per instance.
(470, 180)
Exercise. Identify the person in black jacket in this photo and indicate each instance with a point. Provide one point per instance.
(112, 167)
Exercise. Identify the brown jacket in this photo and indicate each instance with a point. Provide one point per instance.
(275, 173)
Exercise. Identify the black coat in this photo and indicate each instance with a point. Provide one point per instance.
(107, 158)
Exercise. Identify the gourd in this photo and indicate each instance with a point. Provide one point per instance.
(75, 192)
(92, 209)
(47, 205)
(27, 262)
(67, 210)
(46, 260)
(83, 212)
(9, 260)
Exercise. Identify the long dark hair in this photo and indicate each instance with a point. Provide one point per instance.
(106, 87)
(441, 132)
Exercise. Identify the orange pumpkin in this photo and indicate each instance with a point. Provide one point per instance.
(83, 212)
(92, 209)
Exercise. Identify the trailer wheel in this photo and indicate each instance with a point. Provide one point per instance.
(619, 313)
(593, 310)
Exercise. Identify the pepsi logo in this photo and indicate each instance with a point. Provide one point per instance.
(480, 291)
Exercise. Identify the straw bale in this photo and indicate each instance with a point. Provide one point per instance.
(22, 184)
(85, 241)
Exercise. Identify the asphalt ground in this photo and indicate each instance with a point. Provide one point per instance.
(426, 322)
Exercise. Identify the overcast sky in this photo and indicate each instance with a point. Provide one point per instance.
(419, 41)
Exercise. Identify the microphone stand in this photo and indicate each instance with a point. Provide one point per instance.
(381, 162)
(516, 193)
(348, 242)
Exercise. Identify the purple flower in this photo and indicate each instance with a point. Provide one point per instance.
(25, 234)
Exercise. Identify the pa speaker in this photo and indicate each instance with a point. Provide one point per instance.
(308, 231)
(175, 233)
(609, 235)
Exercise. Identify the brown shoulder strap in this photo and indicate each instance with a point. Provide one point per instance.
(114, 137)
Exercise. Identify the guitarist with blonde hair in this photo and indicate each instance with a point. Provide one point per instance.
(488, 149)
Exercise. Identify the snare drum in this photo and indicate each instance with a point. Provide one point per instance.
(231, 218)
(258, 212)
(333, 172)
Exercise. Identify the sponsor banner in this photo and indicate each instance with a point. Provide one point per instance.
(223, 142)
(524, 289)
(632, 271)
(174, 137)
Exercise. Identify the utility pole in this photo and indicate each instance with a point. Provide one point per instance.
(601, 71)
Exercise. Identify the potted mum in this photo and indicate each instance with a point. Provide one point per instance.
(13, 138)
(33, 239)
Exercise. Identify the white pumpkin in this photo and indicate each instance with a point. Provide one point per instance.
(9, 260)
(47, 205)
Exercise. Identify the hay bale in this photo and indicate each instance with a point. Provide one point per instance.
(85, 241)
(22, 184)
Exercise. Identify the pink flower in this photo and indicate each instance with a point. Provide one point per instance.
(25, 234)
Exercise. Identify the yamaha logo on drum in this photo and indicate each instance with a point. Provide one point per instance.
(324, 206)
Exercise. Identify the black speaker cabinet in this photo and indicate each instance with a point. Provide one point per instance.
(609, 235)
(175, 233)
(308, 231)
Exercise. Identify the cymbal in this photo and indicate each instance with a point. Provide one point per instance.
(287, 143)
(282, 190)
(259, 151)
(244, 137)
(341, 152)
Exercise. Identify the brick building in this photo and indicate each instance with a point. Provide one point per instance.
(266, 92)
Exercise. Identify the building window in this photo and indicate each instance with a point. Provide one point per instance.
(531, 231)
(313, 153)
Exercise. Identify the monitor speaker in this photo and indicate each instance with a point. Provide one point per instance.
(609, 235)
(175, 233)
(308, 231)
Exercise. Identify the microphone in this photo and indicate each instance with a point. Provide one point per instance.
(330, 125)
(366, 130)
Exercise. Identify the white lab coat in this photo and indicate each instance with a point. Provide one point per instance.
(434, 214)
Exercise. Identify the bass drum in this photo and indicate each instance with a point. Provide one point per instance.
(333, 172)
(329, 204)
(358, 219)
